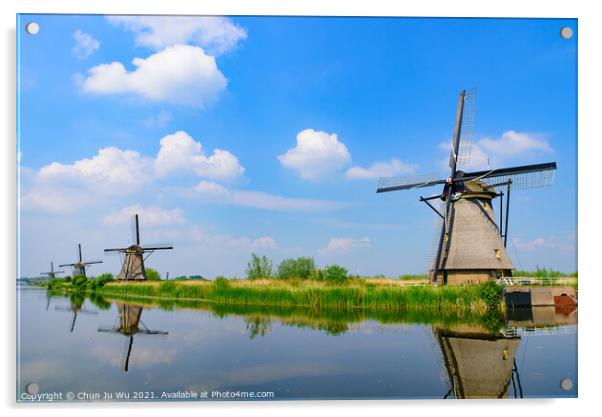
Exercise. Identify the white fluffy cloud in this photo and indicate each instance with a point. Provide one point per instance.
(216, 193)
(65, 188)
(85, 44)
(316, 155)
(215, 34)
(494, 152)
(180, 74)
(112, 169)
(390, 168)
(181, 153)
(340, 245)
(514, 143)
(152, 215)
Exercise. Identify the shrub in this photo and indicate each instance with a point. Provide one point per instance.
(55, 283)
(296, 268)
(335, 274)
(491, 293)
(259, 267)
(100, 281)
(152, 274)
(79, 281)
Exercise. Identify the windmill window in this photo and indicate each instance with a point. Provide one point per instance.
(497, 253)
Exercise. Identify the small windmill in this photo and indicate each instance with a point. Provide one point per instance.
(469, 247)
(129, 325)
(79, 267)
(134, 256)
(52, 273)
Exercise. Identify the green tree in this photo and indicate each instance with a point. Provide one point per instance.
(152, 274)
(335, 274)
(259, 267)
(100, 281)
(296, 268)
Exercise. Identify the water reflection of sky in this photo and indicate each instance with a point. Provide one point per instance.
(205, 352)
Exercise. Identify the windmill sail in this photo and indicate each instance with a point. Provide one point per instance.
(387, 184)
(468, 120)
(522, 177)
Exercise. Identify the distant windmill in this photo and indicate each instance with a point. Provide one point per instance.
(129, 325)
(52, 273)
(469, 246)
(133, 262)
(79, 267)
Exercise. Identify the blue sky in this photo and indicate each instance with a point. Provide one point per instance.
(268, 134)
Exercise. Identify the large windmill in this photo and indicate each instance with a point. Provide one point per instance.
(134, 256)
(79, 267)
(129, 325)
(52, 273)
(471, 247)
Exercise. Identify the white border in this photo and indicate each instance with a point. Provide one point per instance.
(590, 68)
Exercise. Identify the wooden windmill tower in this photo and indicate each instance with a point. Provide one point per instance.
(52, 273)
(479, 364)
(471, 247)
(129, 325)
(132, 267)
(79, 267)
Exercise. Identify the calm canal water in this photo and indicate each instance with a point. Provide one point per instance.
(92, 347)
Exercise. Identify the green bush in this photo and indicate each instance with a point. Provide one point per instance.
(300, 268)
(56, 283)
(79, 281)
(490, 293)
(152, 274)
(100, 281)
(259, 267)
(335, 274)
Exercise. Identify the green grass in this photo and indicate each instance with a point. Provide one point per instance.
(333, 321)
(313, 295)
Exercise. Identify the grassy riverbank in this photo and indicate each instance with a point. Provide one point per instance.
(330, 320)
(354, 293)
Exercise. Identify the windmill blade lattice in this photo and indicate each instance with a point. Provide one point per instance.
(523, 177)
(386, 184)
(468, 121)
(523, 181)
